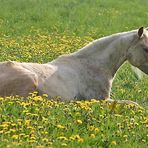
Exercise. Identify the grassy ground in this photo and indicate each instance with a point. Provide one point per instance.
(39, 31)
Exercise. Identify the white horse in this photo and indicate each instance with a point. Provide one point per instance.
(87, 73)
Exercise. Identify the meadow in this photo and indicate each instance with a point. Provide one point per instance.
(40, 31)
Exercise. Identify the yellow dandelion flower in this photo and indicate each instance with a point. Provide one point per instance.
(60, 126)
(79, 122)
(91, 128)
(81, 140)
(32, 137)
(62, 138)
(1, 98)
(125, 136)
(114, 142)
(15, 137)
(78, 114)
(22, 135)
(96, 130)
(32, 141)
(37, 98)
(45, 95)
(8, 146)
(50, 143)
(64, 144)
(92, 136)
(40, 146)
(45, 140)
(27, 122)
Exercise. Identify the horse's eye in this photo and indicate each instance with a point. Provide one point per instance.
(145, 49)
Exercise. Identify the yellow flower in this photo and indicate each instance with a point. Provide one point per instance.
(32, 141)
(64, 144)
(45, 95)
(50, 143)
(62, 138)
(79, 121)
(78, 114)
(22, 135)
(32, 137)
(113, 143)
(15, 137)
(92, 136)
(37, 98)
(45, 139)
(1, 99)
(60, 126)
(81, 140)
(125, 136)
(27, 122)
(91, 128)
(96, 130)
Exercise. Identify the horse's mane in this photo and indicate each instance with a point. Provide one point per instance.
(101, 43)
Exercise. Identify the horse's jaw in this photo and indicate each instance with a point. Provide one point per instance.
(144, 68)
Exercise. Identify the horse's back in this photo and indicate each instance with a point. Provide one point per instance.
(16, 80)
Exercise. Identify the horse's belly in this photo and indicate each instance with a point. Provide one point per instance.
(58, 85)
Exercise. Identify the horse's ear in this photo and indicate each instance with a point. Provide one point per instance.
(140, 32)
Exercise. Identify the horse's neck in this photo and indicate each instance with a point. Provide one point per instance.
(108, 53)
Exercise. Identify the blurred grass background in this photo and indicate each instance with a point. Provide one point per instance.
(96, 18)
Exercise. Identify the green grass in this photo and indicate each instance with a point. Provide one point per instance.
(95, 18)
(40, 31)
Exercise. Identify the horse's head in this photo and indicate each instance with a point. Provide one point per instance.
(137, 54)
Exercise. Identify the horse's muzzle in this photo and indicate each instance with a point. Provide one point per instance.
(144, 68)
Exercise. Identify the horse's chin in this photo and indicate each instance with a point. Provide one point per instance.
(144, 68)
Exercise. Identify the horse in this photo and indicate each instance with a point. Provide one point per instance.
(85, 74)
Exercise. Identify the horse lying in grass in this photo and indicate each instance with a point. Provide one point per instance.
(87, 73)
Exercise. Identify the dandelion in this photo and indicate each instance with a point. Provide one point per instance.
(60, 126)
(45, 140)
(92, 136)
(62, 138)
(27, 122)
(78, 114)
(50, 143)
(96, 130)
(32, 137)
(15, 137)
(32, 141)
(1, 99)
(81, 140)
(91, 128)
(79, 122)
(125, 136)
(113, 143)
(37, 98)
(64, 144)
(45, 95)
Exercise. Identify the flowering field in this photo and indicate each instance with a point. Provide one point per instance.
(36, 121)
(39, 122)
(40, 31)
